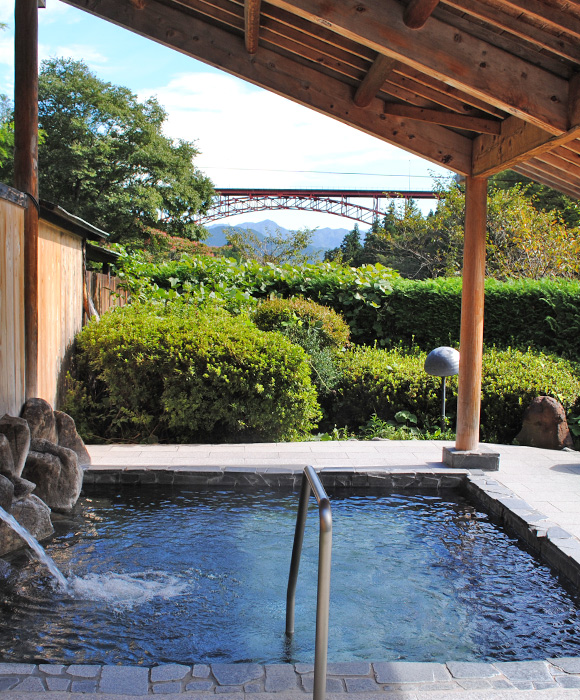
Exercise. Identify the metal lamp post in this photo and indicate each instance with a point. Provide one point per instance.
(442, 362)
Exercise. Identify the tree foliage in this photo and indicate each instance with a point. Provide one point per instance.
(276, 247)
(522, 240)
(105, 158)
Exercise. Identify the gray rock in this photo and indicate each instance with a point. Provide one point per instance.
(22, 487)
(56, 473)
(69, 437)
(6, 458)
(39, 415)
(6, 493)
(34, 515)
(17, 433)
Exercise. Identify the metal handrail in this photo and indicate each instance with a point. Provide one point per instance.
(310, 481)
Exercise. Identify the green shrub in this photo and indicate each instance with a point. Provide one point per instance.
(511, 379)
(180, 374)
(382, 382)
(298, 313)
(385, 383)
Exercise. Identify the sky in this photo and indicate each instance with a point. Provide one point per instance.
(247, 136)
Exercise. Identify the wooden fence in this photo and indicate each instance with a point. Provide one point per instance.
(12, 367)
(104, 291)
(61, 278)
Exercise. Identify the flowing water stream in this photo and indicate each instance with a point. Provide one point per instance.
(11, 521)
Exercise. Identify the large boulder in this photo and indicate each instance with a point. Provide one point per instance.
(17, 433)
(69, 437)
(39, 415)
(32, 514)
(6, 493)
(545, 425)
(56, 473)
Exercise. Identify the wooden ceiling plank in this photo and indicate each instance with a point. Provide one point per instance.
(314, 45)
(561, 164)
(317, 32)
(252, 25)
(568, 154)
(544, 179)
(408, 93)
(502, 40)
(452, 119)
(373, 80)
(305, 54)
(557, 177)
(418, 12)
(281, 75)
(439, 93)
(519, 141)
(515, 26)
(455, 57)
(558, 20)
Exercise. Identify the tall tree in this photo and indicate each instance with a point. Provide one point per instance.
(542, 198)
(273, 247)
(106, 159)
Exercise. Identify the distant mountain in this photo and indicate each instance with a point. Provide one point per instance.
(322, 240)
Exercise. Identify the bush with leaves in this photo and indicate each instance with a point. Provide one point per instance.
(174, 373)
(288, 315)
(320, 331)
(392, 385)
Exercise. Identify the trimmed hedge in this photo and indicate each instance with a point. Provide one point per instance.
(544, 314)
(377, 304)
(185, 375)
(384, 382)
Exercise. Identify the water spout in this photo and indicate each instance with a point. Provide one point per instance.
(11, 521)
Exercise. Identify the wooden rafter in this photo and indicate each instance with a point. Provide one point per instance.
(252, 25)
(553, 16)
(279, 74)
(559, 45)
(444, 118)
(456, 58)
(518, 142)
(418, 12)
(373, 81)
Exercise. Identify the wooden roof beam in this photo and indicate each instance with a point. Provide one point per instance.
(379, 71)
(435, 116)
(252, 25)
(418, 12)
(279, 74)
(544, 179)
(559, 45)
(453, 56)
(553, 16)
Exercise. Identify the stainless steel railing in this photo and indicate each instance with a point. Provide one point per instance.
(310, 481)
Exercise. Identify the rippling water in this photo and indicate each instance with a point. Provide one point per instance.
(200, 576)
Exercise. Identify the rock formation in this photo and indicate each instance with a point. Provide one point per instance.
(40, 452)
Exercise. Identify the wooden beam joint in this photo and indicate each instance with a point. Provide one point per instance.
(480, 125)
(252, 25)
(374, 80)
(418, 12)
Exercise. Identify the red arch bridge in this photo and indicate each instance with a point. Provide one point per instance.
(359, 205)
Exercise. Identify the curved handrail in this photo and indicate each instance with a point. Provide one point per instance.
(310, 481)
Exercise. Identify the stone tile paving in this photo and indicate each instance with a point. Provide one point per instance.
(248, 678)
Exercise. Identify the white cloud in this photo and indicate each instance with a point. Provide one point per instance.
(77, 52)
(237, 125)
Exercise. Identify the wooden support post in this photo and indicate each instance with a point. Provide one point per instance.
(472, 298)
(26, 168)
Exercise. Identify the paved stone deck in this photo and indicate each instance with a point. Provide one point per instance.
(537, 492)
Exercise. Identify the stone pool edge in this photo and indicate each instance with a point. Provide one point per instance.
(554, 545)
